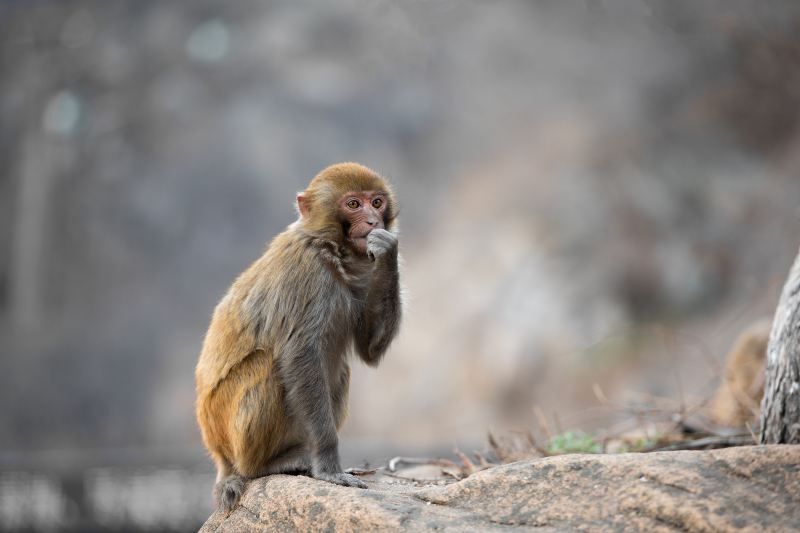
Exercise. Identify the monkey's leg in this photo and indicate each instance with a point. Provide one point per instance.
(229, 486)
(310, 400)
(292, 461)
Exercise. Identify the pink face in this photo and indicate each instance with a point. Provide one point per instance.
(363, 211)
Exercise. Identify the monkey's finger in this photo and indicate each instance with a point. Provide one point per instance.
(353, 481)
(377, 232)
(382, 243)
(381, 235)
(341, 478)
(385, 235)
(348, 480)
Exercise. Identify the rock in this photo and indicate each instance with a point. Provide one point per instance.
(751, 488)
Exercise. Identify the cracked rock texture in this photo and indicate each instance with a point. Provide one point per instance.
(751, 488)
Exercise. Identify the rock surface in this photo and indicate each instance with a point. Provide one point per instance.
(752, 488)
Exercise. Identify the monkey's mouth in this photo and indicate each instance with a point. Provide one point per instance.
(362, 236)
(360, 243)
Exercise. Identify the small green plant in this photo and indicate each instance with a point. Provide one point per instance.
(643, 444)
(570, 442)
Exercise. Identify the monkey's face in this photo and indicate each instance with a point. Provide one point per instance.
(362, 212)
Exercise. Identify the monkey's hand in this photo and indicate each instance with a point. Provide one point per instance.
(381, 243)
(340, 478)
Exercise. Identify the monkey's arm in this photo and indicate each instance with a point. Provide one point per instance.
(381, 318)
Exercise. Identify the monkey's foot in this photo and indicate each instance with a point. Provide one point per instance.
(340, 478)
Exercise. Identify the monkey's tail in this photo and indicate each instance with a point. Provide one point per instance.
(229, 491)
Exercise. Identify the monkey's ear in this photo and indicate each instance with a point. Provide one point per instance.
(303, 205)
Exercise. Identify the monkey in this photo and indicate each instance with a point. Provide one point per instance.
(738, 397)
(272, 377)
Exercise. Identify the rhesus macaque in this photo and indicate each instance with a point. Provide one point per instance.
(738, 397)
(273, 377)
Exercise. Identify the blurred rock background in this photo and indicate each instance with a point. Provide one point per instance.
(592, 192)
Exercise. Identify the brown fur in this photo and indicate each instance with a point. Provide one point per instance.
(738, 397)
(274, 353)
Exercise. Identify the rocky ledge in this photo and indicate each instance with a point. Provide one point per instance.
(749, 488)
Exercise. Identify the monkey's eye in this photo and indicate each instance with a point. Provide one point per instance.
(377, 203)
(353, 204)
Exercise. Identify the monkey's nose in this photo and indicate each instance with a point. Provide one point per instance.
(372, 221)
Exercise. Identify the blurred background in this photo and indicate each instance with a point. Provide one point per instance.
(595, 195)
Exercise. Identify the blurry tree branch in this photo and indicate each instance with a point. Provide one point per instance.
(780, 408)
